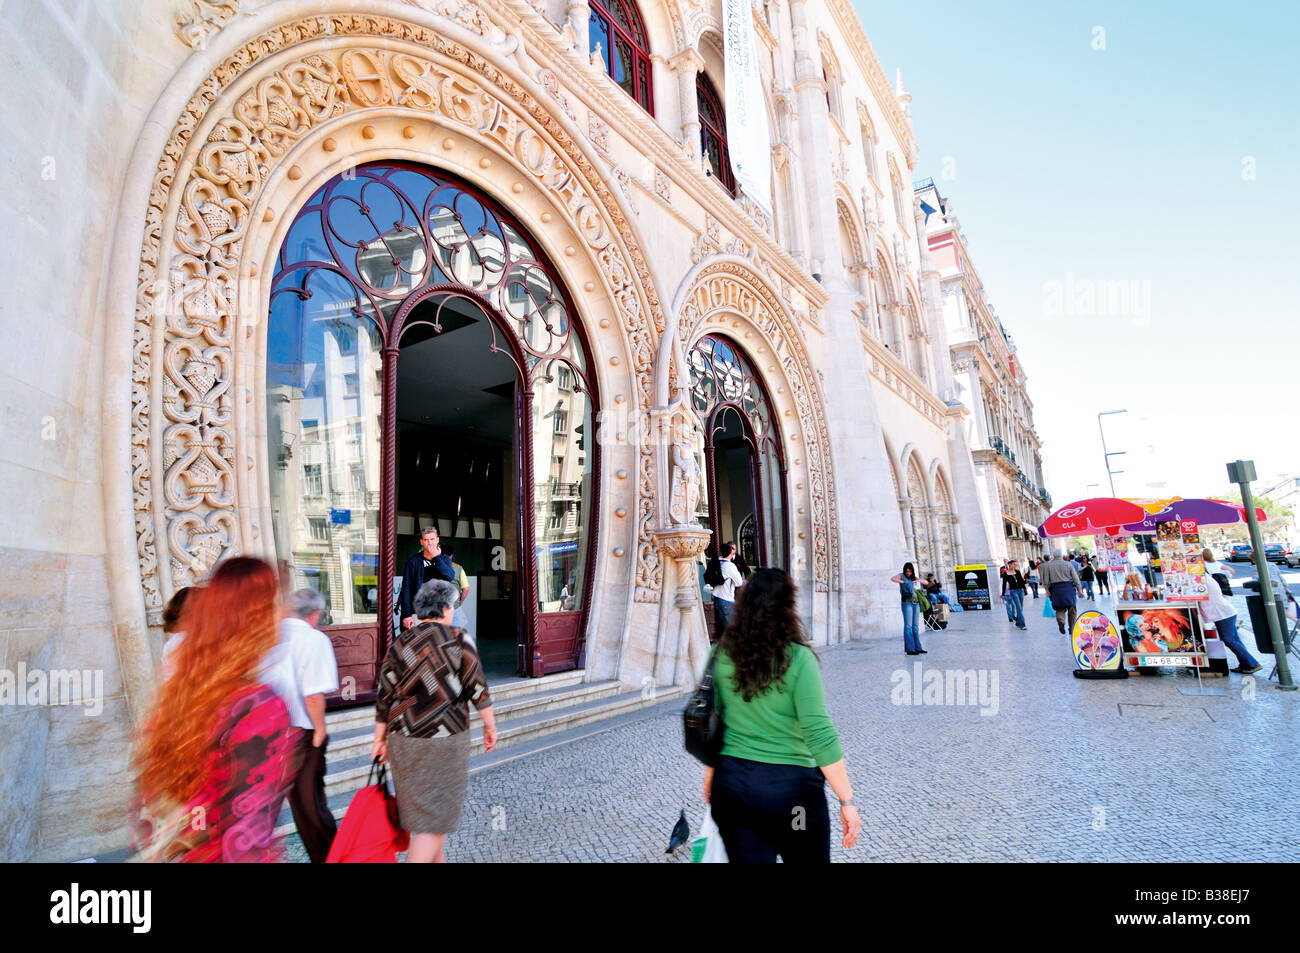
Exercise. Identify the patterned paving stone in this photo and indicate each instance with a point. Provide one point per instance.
(1060, 770)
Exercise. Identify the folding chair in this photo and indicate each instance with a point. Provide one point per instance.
(1293, 648)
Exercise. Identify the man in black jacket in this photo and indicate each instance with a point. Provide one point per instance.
(429, 563)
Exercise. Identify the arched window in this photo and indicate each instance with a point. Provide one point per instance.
(743, 465)
(426, 368)
(868, 142)
(713, 133)
(617, 28)
(896, 184)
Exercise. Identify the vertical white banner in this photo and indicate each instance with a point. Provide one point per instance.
(748, 139)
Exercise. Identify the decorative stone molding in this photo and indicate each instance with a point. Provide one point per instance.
(199, 19)
(663, 186)
(726, 288)
(187, 313)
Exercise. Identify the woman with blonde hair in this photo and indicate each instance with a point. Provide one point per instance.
(214, 755)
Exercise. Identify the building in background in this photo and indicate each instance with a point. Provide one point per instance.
(990, 378)
(343, 273)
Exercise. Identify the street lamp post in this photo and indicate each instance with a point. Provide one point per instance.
(1110, 474)
(1241, 473)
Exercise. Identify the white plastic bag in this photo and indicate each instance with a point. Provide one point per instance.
(708, 848)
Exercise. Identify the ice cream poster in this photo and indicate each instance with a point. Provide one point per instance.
(1097, 644)
(1180, 553)
(1160, 631)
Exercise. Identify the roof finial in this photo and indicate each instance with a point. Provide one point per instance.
(904, 97)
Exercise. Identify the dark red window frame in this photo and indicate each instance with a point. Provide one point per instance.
(713, 128)
(622, 21)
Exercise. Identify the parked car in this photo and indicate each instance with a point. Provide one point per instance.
(1275, 552)
(1292, 558)
(1242, 551)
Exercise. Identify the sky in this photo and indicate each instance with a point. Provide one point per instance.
(1161, 170)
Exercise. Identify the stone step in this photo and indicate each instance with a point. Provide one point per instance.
(344, 720)
(349, 774)
(357, 738)
(666, 702)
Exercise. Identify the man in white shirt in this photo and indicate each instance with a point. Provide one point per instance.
(1217, 611)
(724, 596)
(302, 673)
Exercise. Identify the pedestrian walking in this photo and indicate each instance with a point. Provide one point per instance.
(1032, 577)
(911, 610)
(1103, 578)
(315, 675)
(1086, 576)
(724, 595)
(1016, 594)
(173, 627)
(780, 748)
(1221, 573)
(1006, 599)
(1216, 610)
(1062, 582)
(428, 678)
(218, 745)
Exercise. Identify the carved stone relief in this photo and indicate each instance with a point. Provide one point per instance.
(729, 288)
(185, 330)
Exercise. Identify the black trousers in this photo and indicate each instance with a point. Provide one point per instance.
(766, 810)
(311, 814)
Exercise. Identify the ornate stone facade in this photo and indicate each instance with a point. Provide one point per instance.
(249, 108)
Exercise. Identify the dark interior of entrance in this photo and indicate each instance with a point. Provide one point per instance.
(456, 452)
(735, 511)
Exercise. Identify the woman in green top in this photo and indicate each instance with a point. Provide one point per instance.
(768, 792)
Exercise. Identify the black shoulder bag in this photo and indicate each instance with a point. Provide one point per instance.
(702, 720)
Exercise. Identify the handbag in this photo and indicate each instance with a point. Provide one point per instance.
(370, 832)
(701, 720)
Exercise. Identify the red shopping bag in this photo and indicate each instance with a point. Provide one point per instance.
(370, 833)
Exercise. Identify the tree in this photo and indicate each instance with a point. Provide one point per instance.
(1277, 517)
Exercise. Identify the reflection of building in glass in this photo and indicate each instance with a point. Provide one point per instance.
(324, 402)
(562, 482)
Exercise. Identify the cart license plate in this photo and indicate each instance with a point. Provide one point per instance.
(1167, 660)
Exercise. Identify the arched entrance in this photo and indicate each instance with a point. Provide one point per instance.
(426, 370)
(743, 463)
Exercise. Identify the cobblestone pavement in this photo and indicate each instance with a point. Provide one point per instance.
(1061, 769)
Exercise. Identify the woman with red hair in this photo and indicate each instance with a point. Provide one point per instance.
(214, 756)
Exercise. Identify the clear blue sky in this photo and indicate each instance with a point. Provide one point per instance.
(1125, 165)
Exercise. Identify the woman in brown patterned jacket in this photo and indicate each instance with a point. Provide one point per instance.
(428, 678)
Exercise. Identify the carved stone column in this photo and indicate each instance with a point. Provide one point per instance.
(679, 547)
(687, 65)
(580, 21)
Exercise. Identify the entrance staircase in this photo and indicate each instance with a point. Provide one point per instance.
(533, 715)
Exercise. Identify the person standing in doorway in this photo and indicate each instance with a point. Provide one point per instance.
(429, 563)
(1016, 594)
(1062, 582)
(461, 582)
(911, 610)
(315, 675)
(724, 596)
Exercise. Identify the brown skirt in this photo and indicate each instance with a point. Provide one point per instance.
(429, 778)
